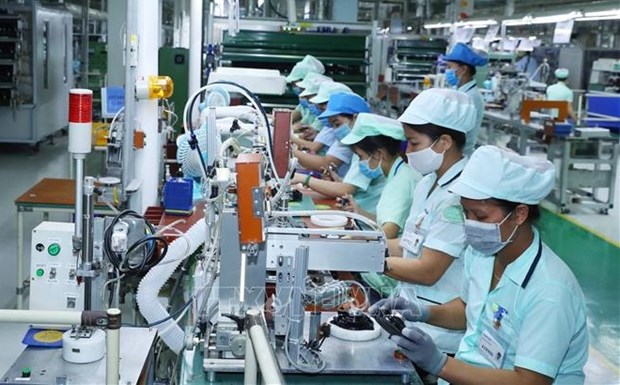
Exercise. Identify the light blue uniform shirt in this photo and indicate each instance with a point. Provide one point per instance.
(544, 328)
(368, 191)
(560, 92)
(397, 195)
(342, 152)
(437, 219)
(393, 207)
(326, 136)
(471, 137)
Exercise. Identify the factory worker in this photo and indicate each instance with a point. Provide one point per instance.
(338, 154)
(560, 92)
(527, 64)
(522, 308)
(427, 260)
(377, 140)
(309, 64)
(342, 106)
(309, 125)
(462, 63)
(342, 110)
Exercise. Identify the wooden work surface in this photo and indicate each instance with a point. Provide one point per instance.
(50, 192)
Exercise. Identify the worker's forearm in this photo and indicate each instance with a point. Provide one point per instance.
(311, 162)
(390, 230)
(405, 269)
(571, 113)
(295, 116)
(450, 315)
(331, 189)
(394, 249)
(311, 145)
(458, 372)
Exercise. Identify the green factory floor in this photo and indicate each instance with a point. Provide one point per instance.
(595, 262)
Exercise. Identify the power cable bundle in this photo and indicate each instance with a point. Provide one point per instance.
(146, 246)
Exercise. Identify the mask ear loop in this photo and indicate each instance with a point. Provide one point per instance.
(431, 147)
(513, 231)
(378, 166)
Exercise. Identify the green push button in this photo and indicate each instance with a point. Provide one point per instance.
(40, 272)
(53, 249)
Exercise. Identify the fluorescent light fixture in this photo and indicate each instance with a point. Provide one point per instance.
(612, 14)
(527, 20)
(469, 23)
(595, 18)
(437, 25)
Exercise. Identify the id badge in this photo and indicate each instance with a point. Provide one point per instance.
(491, 349)
(412, 242)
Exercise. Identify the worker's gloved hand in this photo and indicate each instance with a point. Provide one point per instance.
(411, 311)
(420, 348)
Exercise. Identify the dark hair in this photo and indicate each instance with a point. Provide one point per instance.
(434, 131)
(348, 116)
(372, 144)
(470, 68)
(508, 207)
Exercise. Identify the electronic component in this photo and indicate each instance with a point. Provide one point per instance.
(392, 323)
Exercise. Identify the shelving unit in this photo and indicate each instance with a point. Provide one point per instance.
(412, 57)
(343, 54)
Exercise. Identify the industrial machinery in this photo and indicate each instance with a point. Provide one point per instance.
(264, 261)
(587, 170)
(35, 71)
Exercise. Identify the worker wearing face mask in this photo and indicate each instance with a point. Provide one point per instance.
(309, 64)
(341, 107)
(338, 154)
(342, 111)
(309, 125)
(427, 259)
(522, 308)
(376, 140)
(462, 63)
(560, 92)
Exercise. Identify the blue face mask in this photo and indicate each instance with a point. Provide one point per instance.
(304, 103)
(370, 173)
(451, 77)
(342, 131)
(314, 109)
(297, 90)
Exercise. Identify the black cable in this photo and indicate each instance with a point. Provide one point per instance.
(145, 266)
(260, 108)
(151, 255)
(193, 142)
(173, 315)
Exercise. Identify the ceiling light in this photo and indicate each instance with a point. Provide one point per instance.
(594, 18)
(611, 12)
(437, 25)
(527, 20)
(469, 23)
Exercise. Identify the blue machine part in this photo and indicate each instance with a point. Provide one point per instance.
(608, 105)
(178, 194)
